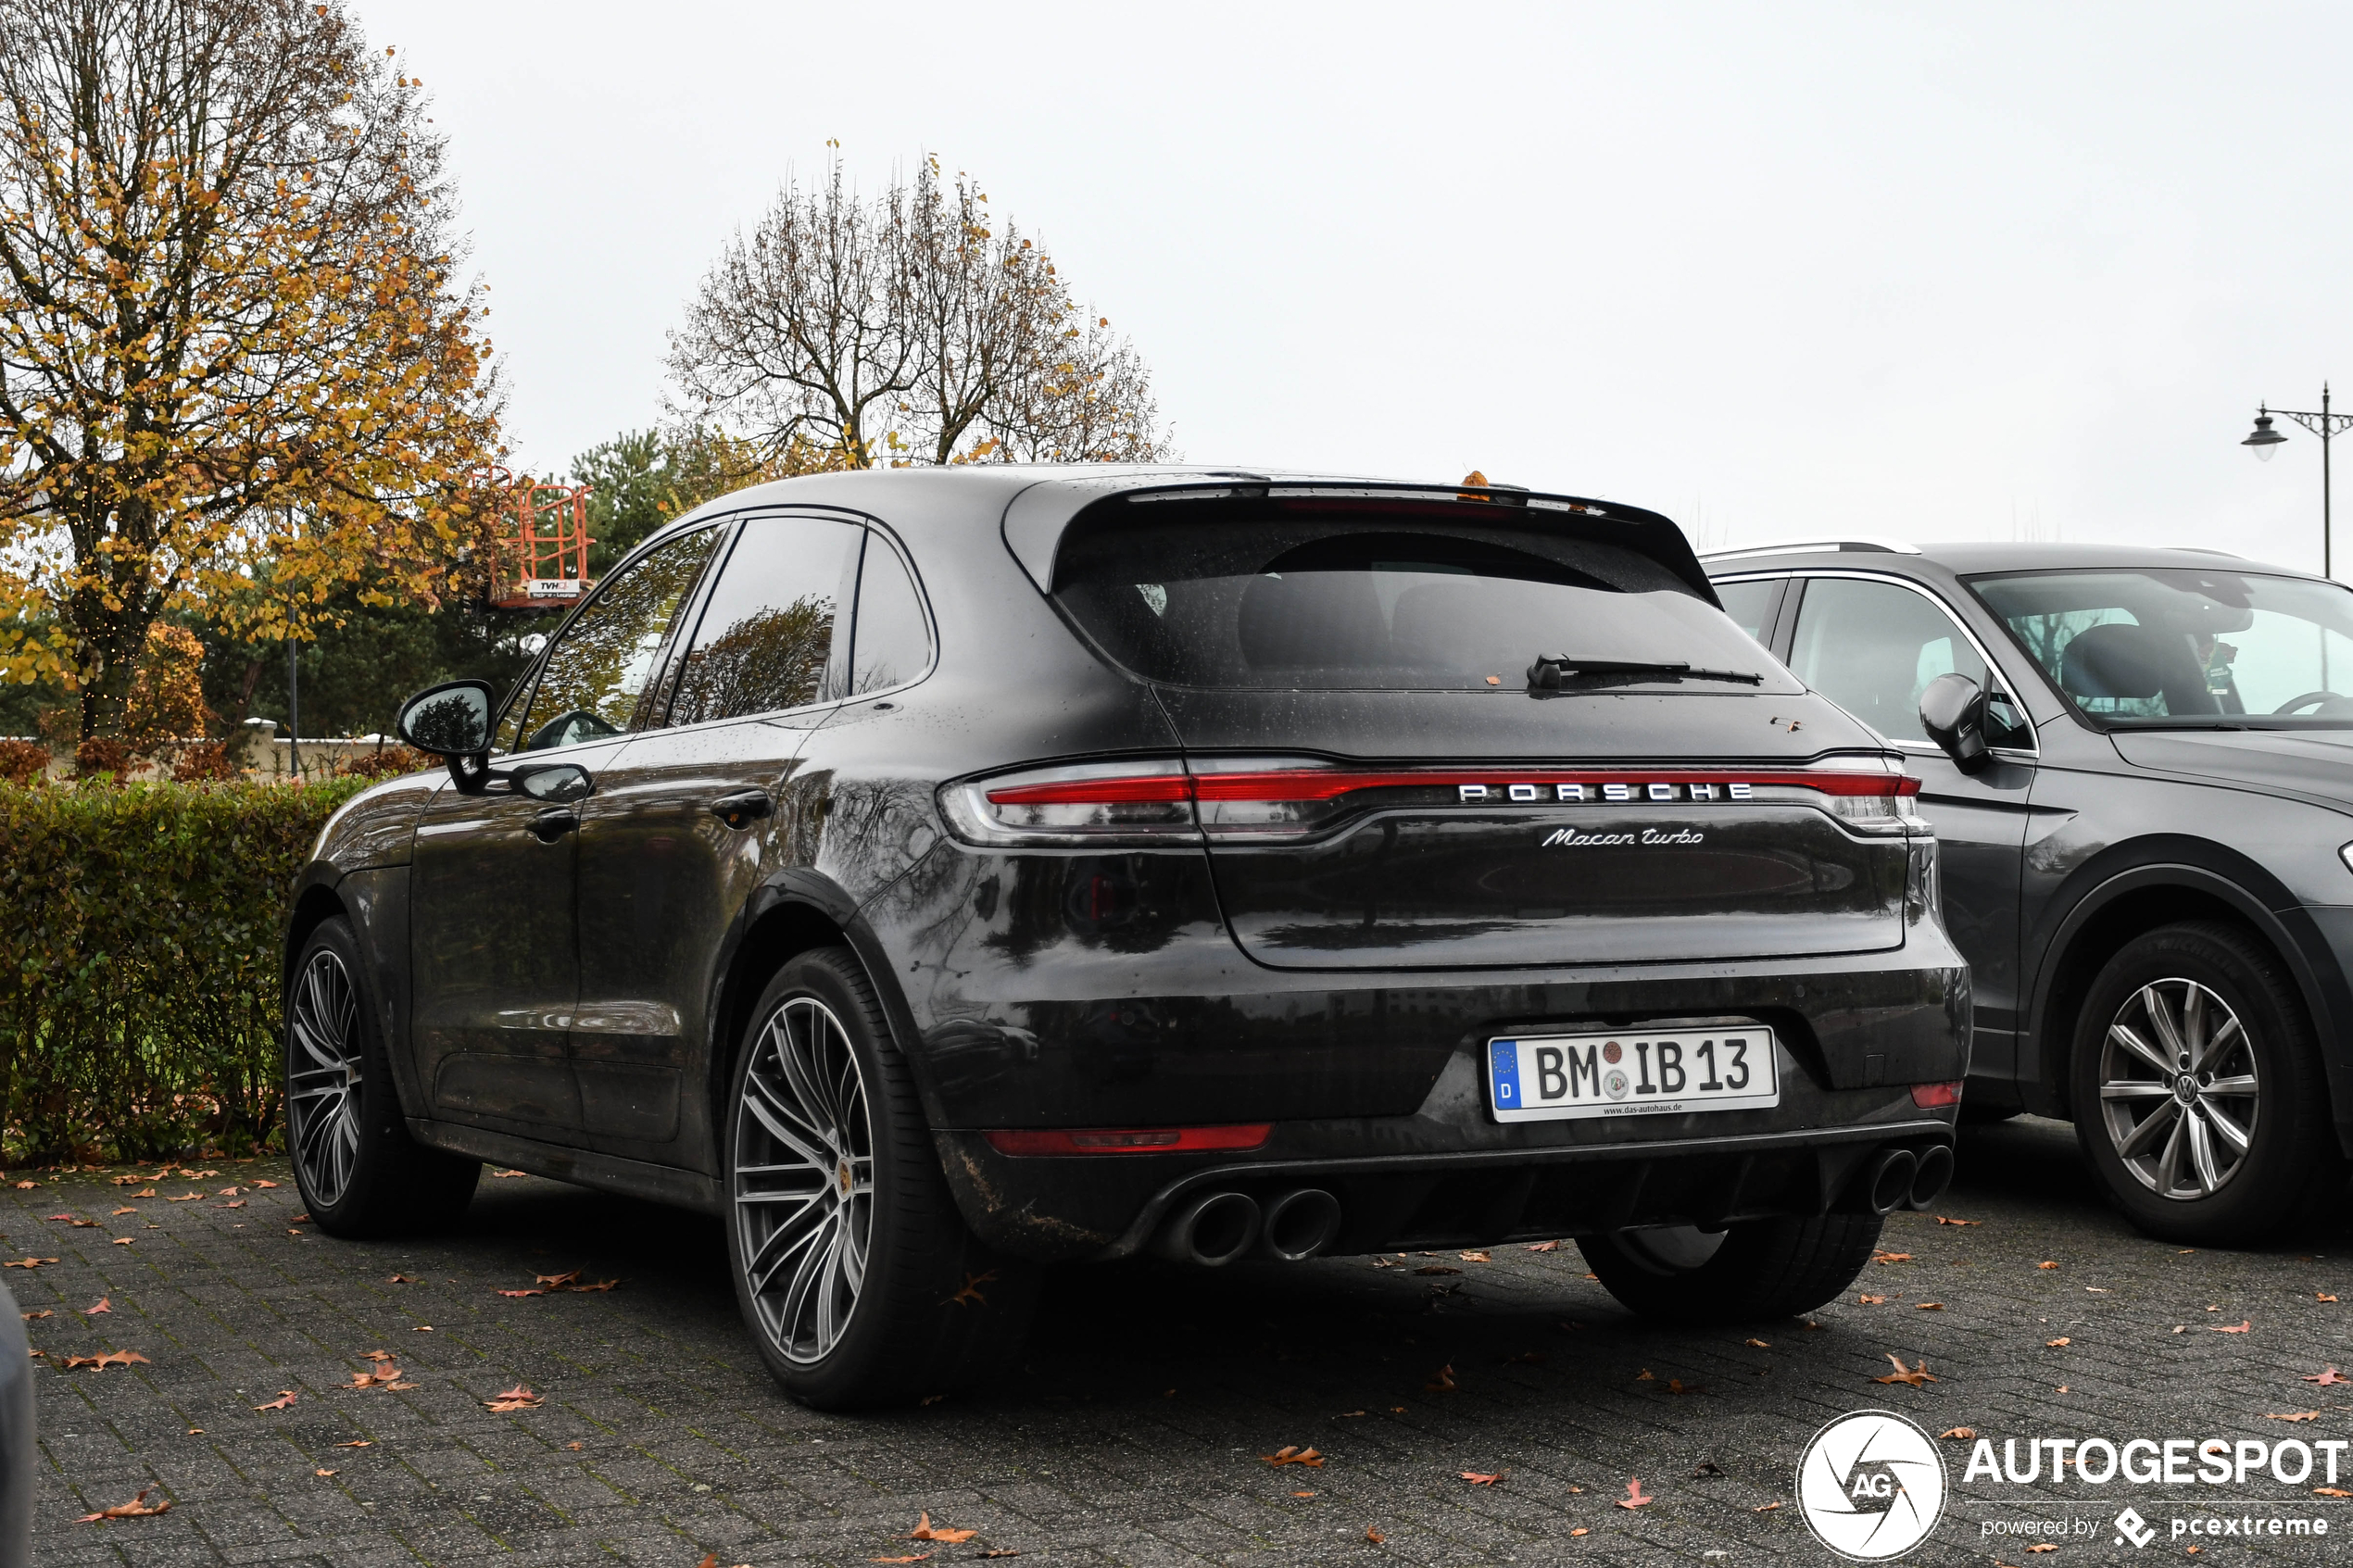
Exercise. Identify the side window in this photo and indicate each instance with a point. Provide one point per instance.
(594, 680)
(769, 632)
(1752, 603)
(892, 643)
(1872, 647)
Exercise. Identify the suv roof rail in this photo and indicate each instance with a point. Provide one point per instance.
(1862, 543)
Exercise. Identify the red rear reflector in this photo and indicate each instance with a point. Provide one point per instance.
(1929, 1096)
(1125, 1140)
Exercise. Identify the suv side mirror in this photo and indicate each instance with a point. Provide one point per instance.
(1953, 712)
(452, 721)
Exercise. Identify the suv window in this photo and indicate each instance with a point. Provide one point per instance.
(768, 633)
(1874, 647)
(593, 679)
(891, 643)
(1358, 598)
(1751, 605)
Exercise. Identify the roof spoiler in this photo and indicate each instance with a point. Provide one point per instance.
(1036, 519)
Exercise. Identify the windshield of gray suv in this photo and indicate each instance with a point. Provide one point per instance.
(2169, 648)
(1389, 602)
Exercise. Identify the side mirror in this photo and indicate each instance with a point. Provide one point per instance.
(1953, 712)
(452, 721)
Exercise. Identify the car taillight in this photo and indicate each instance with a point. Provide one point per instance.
(1928, 1097)
(1158, 802)
(1127, 1140)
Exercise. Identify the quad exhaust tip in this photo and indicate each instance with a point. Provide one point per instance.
(1933, 1175)
(1888, 1183)
(1298, 1225)
(1209, 1231)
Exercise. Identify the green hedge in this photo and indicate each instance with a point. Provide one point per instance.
(140, 965)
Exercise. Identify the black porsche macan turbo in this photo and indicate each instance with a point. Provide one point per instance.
(943, 874)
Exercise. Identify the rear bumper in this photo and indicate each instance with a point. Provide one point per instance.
(1450, 1177)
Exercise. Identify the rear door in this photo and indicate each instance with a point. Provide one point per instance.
(1871, 645)
(674, 839)
(1386, 780)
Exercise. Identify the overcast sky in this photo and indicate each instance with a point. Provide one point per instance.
(1980, 272)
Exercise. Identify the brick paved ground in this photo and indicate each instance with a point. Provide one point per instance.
(1130, 1432)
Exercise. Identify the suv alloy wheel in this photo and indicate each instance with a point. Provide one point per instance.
(2198, 1092)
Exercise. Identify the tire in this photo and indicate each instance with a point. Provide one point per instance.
(857, 1276)
(359, 1173)
(2170, 1155)
(1757, 1271)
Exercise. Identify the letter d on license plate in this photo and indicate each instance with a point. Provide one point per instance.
(1632, 1072)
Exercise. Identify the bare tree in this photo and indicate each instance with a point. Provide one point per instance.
(910, 328)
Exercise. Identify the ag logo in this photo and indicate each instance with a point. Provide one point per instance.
(1872, 1485)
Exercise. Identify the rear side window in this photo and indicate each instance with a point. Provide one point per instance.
(768, 635)
(1381, 600)
(892, 643)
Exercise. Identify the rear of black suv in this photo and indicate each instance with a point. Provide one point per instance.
(1492, 886)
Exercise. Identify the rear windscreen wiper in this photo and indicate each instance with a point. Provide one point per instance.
(1545, 674)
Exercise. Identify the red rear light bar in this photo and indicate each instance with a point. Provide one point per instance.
(1326, 783)
(1928, 1097)
(1127, 1140)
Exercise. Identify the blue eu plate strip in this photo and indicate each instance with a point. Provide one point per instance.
(1503, 1068)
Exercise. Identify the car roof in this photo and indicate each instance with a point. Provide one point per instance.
(1969, 558)
(1033, 504)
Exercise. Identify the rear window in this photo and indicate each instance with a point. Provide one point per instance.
(1383, 601)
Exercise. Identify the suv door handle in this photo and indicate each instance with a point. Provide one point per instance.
(743, 807)
(553, 824)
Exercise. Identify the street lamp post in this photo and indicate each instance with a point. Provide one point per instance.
(2325, 425)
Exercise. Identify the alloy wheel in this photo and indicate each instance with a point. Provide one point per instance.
(2179, 1089)
(322, 1077)
(804, 1179)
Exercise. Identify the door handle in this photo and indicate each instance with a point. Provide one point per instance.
(553, 824)
(743, 807)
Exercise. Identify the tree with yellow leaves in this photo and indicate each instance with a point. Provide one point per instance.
(236, 370)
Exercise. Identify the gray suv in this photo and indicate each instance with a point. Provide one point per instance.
(2139, 765)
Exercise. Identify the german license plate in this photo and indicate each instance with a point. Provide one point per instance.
(1633, 1072)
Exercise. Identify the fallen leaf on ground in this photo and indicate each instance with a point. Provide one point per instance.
(1928, 1306)
(135, 1509)
(108, 1359)
(2327, 1376)
(2323, 1296)
(126, 1210)
(240, 1203)
(1374, 1536)
(1443, 1383)
(1761, 1344)
(284, 1399)
(516, 1399)
(2300, 1415)
(1891, 1256)
(523, 1293)
(1437, 1268)
(1959, 1434)
(2240, 1327)
(1481, 1479)
(26, 1186)
(1675, 1385)
(45, 1313)
(1914, 1375)
(1475, 1257)
(925, 1530)
(1293, 1454)
(972, 1295)
(264, 1184)
(1644, 1376)
(377, 1355)
(575, 1448)
(1634, 1498)
(26, 1264)
(300, 1220)
(2055, 1344)
(555, 1282)
(2042, 1547)
(185, 1198)
(506, 1173)
(326, 1472)
(355, 1443)
(1765, 1508)
(1943, 1220)
(105, 1305)
(2332, 1492)
(1542, 1246)
(1870, 1300)
(2046, 1264)
(401, 1279)
(918, 1556)
(146, 1192)
(124, 1240)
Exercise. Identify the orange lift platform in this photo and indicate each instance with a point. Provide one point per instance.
(542, 534)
